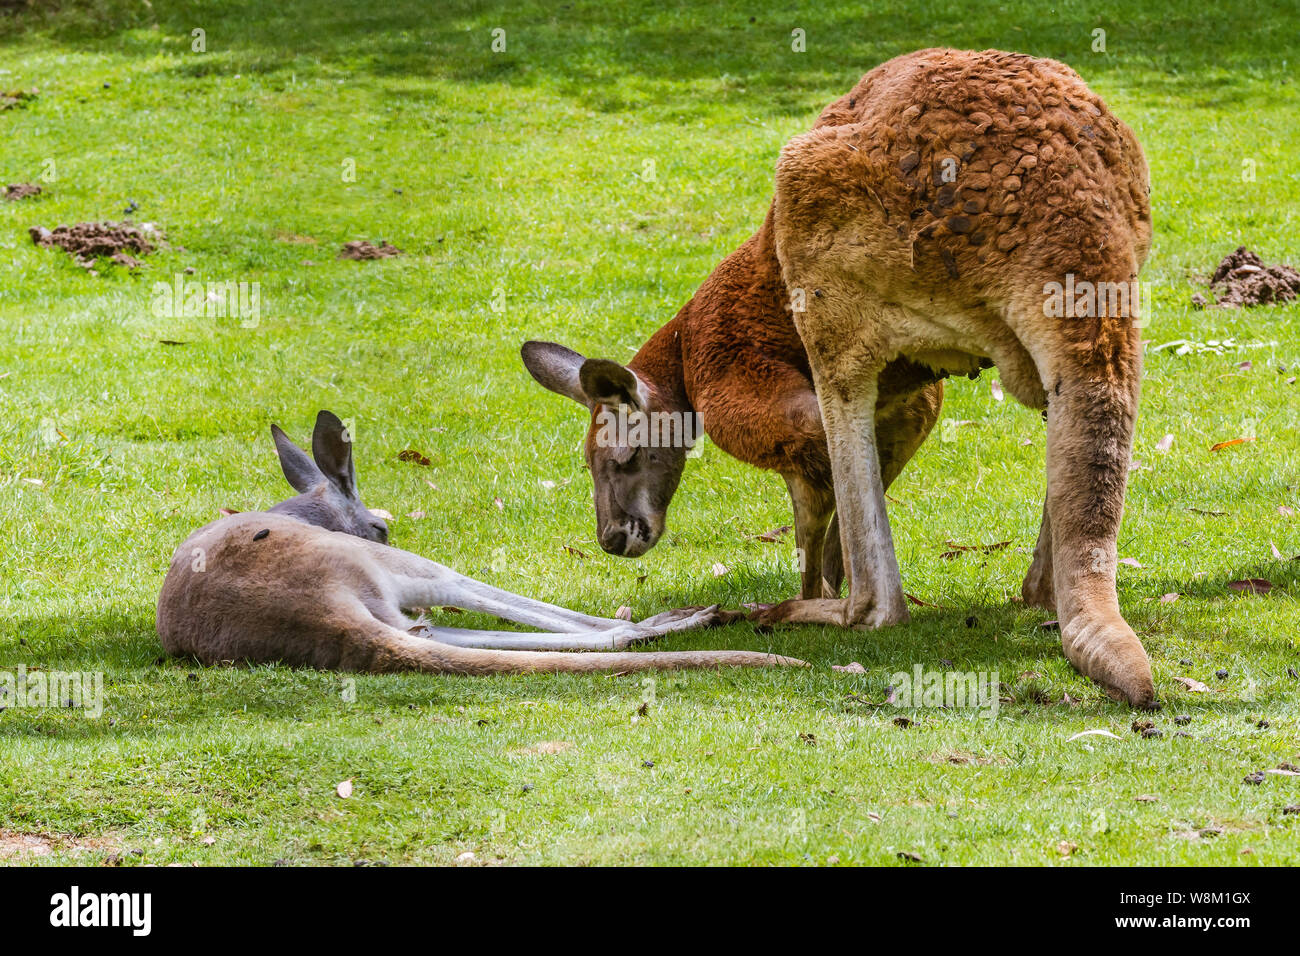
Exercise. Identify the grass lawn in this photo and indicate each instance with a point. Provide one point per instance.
(578, 186)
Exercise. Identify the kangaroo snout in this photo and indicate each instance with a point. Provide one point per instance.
(614, 542)
(631, 537)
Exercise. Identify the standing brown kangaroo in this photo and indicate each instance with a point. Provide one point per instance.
(312, 582)
(927, 225)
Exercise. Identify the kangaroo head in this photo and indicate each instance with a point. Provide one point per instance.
(327, 487)
(636, 444)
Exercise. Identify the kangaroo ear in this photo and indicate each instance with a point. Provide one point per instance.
(300, 470)
(608, 383)
(556, 368)
(331, 446)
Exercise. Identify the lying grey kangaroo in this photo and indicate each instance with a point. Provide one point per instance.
(312, 582)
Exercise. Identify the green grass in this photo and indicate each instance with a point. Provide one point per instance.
(524, 171)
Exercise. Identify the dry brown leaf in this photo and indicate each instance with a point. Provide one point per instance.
(995, 387)
(775, 534)
(1219, 446)
(1165, 443)
(412, 455)
(1251, 586)
(344, 789)
(1286, 511)
(624, 613)
(957, 549)
(719, 569)
(1131, 562)
(1195, 686)
(852, 667)
(1169, 598)
(1065, 848)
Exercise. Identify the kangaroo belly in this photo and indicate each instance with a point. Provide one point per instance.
(934, 206)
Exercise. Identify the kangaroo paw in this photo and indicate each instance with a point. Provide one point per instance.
(878, 616)
(803, 611)
(670, 617)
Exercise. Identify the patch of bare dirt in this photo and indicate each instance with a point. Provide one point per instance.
(89, 241)
(18, 847)
(965, 758)
(1242, 280)
(16, 99)
(363, 249)
(541, 748)
(17, 191)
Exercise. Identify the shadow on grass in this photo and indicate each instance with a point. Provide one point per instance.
(149, 693)
(629, 56)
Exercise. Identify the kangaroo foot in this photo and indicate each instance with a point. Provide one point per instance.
(1038, 590)
(1105, 648)
(833, 611)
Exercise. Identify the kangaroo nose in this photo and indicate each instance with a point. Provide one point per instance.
(614, 543)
